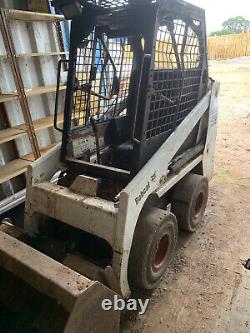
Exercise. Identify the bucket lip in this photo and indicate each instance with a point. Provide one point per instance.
(41, 272)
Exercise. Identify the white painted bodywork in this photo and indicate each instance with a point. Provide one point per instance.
(116, 222)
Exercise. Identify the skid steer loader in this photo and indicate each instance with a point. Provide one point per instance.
(103, 208)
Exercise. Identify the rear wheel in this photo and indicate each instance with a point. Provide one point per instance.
(153, 248)
(189, 201)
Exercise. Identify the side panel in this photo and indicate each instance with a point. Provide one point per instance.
(153, 175)
(208, 157)
(40, 170)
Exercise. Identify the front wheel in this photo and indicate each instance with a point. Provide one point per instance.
(189, 201)
(153, 248)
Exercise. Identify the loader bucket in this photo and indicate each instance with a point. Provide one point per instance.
(41, 295)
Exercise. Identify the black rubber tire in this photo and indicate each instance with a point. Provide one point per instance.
(153, 248)
(189, 201)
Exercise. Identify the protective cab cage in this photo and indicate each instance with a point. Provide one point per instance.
(135, 71)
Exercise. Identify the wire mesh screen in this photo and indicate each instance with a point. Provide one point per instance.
(103, 71)
(176, 79)
(109, 3)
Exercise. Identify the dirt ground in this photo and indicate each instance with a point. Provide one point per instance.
(208, 289)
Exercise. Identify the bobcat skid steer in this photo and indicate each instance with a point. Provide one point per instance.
(104, 207)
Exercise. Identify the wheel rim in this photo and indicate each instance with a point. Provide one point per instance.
(161, 251)
(198, 204)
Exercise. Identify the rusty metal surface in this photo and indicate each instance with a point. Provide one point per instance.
(85, 185)
(16, 232)
(104, 275)
(94, 215)
(41, 272)
(79, 296)
(84, 267)
(88, 315)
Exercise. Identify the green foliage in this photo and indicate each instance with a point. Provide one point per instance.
(221, 32)
(237, 24)
(234, 25)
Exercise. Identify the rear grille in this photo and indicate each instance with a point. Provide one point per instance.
(109, 3)
(176, 78)
(117, 3)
